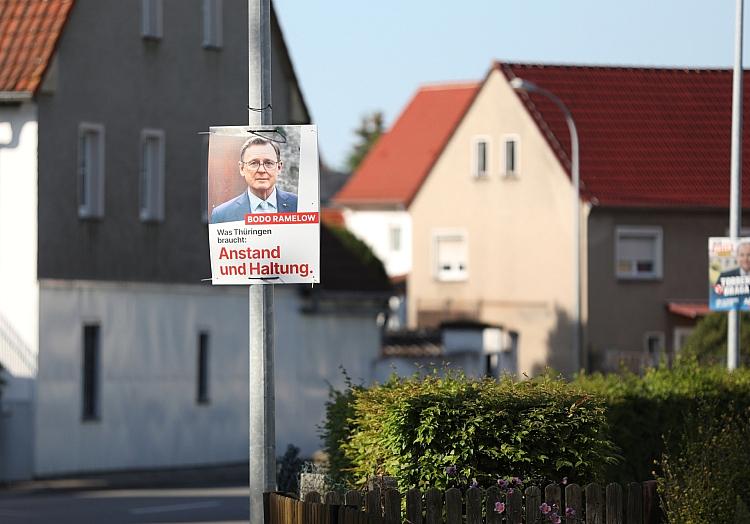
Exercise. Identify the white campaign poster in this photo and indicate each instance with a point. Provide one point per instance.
(264, 205)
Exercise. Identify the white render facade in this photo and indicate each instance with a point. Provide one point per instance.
(387, 232)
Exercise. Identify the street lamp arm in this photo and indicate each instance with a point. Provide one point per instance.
(519, 84)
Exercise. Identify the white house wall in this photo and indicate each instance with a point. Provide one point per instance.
(148, 415)
(19, 293)
(373, 227)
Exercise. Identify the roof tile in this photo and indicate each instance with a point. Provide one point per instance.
(30, 30)
(397, 165)
(648, 136)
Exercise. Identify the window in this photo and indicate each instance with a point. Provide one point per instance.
(480, 157)
(152, 175)
(510, 156)
(394, 238)
(451, 256)
(90, 372)
(202, 375)
(151, 19)
(212, 24)
(90, 170)
(680, 337)
(638, 252)
(654, 347)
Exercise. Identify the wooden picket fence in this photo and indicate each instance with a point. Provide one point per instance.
(593, 504)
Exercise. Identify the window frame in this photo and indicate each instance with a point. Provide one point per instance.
(213, 24)
(152, 19)
(515, 139)
(151, 207)
(474, 153)
(654, 232)
(92, 185)
(441, 275)
(91, 380)
(395, 238)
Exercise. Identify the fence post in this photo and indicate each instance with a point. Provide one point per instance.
(614, 503)
(533, 501)
(372, 502)
(651, 508)
(572, 500)
(474, 506)
(414, 506)
(312, 496)
(453, 503)
(492, 496)
(434, 506)
(553, 495)
(594, 504)
(353, 498)
(514, 507)
(333, 498)
(634, 511)
(392, 512)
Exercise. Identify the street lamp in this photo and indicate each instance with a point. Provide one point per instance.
(519, 84)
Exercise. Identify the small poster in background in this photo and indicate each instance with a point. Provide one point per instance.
(729, 273)
(264, 205)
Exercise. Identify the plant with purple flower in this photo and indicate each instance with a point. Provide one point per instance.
(499, 507)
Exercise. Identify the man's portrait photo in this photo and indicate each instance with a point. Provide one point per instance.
(249, 178)
(743, 262)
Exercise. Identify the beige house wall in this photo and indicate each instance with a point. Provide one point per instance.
(518, 228)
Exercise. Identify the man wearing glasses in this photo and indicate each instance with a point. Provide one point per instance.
(260, 164)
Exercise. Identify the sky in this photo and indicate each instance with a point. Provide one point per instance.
(354, 57)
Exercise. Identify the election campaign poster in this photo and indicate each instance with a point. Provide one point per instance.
(729, 273)
(263, 205)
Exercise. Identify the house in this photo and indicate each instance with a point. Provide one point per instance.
(117, 355)
(488, 194)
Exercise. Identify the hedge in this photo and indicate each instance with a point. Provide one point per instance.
(442, 432)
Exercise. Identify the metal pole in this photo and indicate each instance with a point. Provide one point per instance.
(261, 384)
(577, 346)
(735, 192)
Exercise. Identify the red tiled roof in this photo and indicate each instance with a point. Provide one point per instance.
(648, 137)
(29, 30)
(397, 165)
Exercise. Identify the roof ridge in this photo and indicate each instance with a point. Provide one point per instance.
(497, 64)
(458, 84)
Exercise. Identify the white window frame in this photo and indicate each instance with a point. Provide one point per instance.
(152, 19)
(504, 155)
(475, 157)
(91, 178)
(679, 333)
(654, 232)
(213, 24)
(442, 275)
(151, 185)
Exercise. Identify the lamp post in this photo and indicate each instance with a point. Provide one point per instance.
(520, 84)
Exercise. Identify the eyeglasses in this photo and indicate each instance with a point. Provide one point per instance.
(255, 164)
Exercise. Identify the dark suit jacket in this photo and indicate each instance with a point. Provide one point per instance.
(239, 206)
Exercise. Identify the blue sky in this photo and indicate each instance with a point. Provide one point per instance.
(353, 57)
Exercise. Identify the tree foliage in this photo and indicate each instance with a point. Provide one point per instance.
(368, 132)
(708, 342)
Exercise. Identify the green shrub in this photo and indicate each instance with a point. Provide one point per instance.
(706, 472)
(708, 341)
(337, 429)
(418, 430)
(643, 410)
